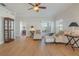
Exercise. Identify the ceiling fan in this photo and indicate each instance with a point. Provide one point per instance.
(36, 6)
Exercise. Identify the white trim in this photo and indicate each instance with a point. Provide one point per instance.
(1, 42)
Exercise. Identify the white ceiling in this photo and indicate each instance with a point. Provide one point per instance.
(21, 9)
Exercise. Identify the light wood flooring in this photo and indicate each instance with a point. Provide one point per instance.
(29, 47)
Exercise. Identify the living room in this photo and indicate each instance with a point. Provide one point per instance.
(54, 18)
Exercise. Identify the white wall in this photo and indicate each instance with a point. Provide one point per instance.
(3, 13)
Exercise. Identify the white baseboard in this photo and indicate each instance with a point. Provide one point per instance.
(1, 42)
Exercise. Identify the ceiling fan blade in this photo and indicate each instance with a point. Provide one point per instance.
(42, 7)
(31, 4)
(2, 4)
(30, 8)
(39, 3)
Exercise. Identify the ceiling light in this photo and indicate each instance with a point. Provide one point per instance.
(36, 8)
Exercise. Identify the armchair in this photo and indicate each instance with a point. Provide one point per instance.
(37, 35)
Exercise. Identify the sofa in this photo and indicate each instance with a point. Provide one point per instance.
(56, 37)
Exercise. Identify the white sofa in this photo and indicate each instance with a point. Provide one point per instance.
(49, 39)
(60, 39)
(57, 37)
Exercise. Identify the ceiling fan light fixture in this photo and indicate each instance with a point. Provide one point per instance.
(36, 8)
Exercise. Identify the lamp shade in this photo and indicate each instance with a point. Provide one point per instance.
(73, 24)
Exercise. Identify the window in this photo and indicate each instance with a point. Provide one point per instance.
(59, 25)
